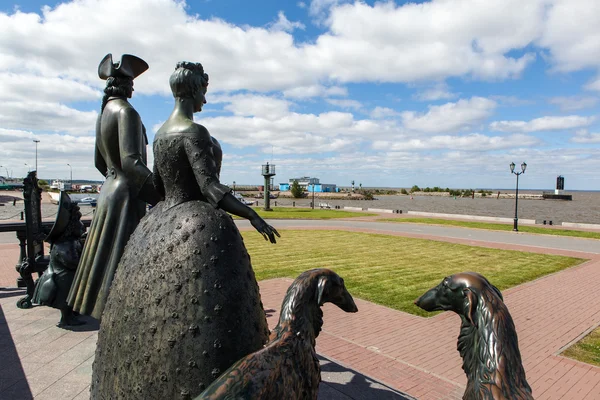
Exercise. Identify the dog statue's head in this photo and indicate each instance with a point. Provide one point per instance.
(459, 293)
(331, 289)
(305, 296)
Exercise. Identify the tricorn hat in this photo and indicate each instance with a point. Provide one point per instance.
(63, 217)
(129, 67)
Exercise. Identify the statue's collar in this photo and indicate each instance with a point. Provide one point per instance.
(117, 97)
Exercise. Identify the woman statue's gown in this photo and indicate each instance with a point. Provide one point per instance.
(184, 304)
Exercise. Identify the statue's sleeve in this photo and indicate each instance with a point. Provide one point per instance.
(198, 147)
(131, 142)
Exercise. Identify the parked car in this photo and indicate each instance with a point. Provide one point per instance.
(88, 201)
(243, 200)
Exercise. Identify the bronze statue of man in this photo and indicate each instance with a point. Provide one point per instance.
(121, 157)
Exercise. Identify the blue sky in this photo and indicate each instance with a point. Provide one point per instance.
(434, 93)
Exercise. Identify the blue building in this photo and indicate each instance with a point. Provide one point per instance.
(310, 184)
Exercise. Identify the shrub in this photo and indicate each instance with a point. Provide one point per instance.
(296, 190)
(367, 193)
(403, 191)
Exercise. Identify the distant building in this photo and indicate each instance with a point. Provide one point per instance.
(309, 184)
(60, 185)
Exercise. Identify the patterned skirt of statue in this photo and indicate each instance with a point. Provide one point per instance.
(183, 307)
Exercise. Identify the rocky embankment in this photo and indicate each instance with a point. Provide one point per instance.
(358, 196)
(288, 195)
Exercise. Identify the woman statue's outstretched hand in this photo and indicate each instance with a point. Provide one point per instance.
(264, 229)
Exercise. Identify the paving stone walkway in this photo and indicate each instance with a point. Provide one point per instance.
(380, 348)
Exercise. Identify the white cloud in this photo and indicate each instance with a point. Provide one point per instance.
(542, 124)
(284, 24)
(432, 40)
(383, 112)
(408, 43)
(511, 101)
(46, 116)
(585, 137)
(54, 152)
(439, 91)
(162, 33)
(471, 142)
(449, 117)
(573, 103)
(303, 92)
(320, 8)
(25, 86)
(593, 85)
(49, 61)
(290, 132)
(571, 32)
(245, 105)
(345, 103)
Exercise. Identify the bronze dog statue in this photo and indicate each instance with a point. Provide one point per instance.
(287, 367)
(487, 341)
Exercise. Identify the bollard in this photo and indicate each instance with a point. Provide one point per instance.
(14, 202)
(275, 203)
(22, 218)
(544, 222)
(549, 222)
(257, 203)
(293, 204)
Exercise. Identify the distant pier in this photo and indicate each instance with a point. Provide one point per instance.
(556, 196)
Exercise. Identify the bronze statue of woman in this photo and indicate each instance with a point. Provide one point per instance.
(121, 157)
(184, 304)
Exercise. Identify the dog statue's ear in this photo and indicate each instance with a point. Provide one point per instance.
(495, 289)
(322, 290)
(471, 307)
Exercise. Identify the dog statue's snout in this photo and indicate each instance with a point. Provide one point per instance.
(427, 301)
(348, 304)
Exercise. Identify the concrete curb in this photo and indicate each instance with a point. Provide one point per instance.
(472, 217)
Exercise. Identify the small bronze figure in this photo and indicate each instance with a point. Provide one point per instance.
(32, 258)
(121, 157)
(487, 341)
(65, 238)
(184, 304)
(287, 368)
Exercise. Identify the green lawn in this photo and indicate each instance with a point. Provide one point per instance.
(497, 227)
(307, 213)
(391, 270)
(587, 349)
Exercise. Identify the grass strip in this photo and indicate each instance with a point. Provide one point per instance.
(587, 350)
(391, 270)
(495, 227)
(307, 213)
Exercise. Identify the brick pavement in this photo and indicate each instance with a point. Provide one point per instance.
(412, 354)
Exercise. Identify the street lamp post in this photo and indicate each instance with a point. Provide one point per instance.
(512, 169)
(36, 141)
(313, 200)
(28, 167)
(6, 168)
(71, 180)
